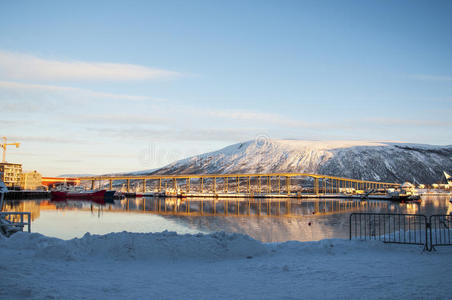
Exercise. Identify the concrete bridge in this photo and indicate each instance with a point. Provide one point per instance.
(224, 185)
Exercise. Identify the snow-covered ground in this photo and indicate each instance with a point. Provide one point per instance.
(224, 266)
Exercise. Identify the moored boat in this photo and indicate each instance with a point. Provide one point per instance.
(407, 198)
(109, 196)
(406, 193)
(91, 196)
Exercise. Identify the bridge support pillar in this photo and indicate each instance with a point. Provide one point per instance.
(316, 186)
(111, 184)
(288, 185)
(92, 184)
(144, 185)
(128, 185)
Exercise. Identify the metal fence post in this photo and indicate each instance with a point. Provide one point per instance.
(363, 226)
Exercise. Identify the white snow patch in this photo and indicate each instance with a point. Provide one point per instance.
(142, 246)
(221, 266)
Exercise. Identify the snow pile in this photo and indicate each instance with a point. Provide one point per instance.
(139, 246)
(391, 162)
(220, 266)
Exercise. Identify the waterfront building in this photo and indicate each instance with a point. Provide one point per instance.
(11, 174)
(30, 180)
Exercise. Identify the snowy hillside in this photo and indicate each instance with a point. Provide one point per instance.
(391, 162)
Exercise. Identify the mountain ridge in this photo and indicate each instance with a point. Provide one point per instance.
(380, 161)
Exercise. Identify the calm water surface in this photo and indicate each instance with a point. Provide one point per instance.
(268, 220)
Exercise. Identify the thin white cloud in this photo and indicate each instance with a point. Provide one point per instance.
(176, 134)
(11, 85)
(410, 122)
(258, 116)
(424, 77)
(115, 118)
(20, 66)
(287, 122)
(267, 118)
(160, 113)
(47, 139)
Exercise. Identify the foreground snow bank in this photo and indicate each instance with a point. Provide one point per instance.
(141, 246)
(221, 266)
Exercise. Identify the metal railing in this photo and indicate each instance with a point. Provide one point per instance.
(17, 220)
(390, 228)
(440, 230)
(265, 183)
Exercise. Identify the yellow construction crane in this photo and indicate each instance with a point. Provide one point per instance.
(4, 144)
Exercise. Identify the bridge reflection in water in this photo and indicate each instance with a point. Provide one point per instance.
(267, 220)
(246, 207)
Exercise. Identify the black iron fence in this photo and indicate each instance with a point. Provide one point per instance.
(440, 230)
(402, 229)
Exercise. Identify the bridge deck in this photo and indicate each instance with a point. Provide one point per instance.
(254, 183)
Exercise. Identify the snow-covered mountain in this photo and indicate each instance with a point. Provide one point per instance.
(382, 161)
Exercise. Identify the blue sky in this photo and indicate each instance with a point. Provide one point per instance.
(107, 86)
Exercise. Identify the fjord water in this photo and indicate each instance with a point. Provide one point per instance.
(267, 220)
